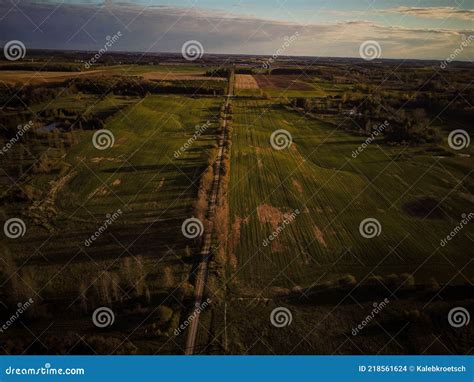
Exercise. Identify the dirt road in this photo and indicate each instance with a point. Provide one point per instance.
(202, 269)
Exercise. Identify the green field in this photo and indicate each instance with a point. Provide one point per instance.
(334, 193)
(319, 267)
(143, 255)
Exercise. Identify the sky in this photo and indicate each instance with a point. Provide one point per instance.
(423, 29)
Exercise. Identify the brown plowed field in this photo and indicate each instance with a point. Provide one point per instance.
(282, 82)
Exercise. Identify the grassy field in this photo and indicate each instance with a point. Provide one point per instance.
(334, 193)
(84, 104)
(143, 255)
(317, 265)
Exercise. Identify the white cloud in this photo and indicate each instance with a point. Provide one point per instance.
(165, 29)
(434, 12)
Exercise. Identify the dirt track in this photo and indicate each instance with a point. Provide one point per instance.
(202, 268)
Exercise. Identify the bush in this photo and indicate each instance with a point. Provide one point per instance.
(347, 281)
(164, 314)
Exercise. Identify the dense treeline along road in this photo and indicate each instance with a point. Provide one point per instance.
(102, 227)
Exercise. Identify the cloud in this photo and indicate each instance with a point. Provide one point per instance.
(434, 12)
(165, 29)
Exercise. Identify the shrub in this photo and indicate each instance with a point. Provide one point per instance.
(347, 281)
(164, 313)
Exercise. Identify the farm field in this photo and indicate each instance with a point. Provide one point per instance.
(174, 76)
(161, 68)
(289, 86)
(45, 77)
(247, 86)
(290, 82)
(295, 239)
(245, 81)
(12, 77)
(333, 194)
(148, 72)
(148, 192)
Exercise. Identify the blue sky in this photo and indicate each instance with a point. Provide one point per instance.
(404, 29)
